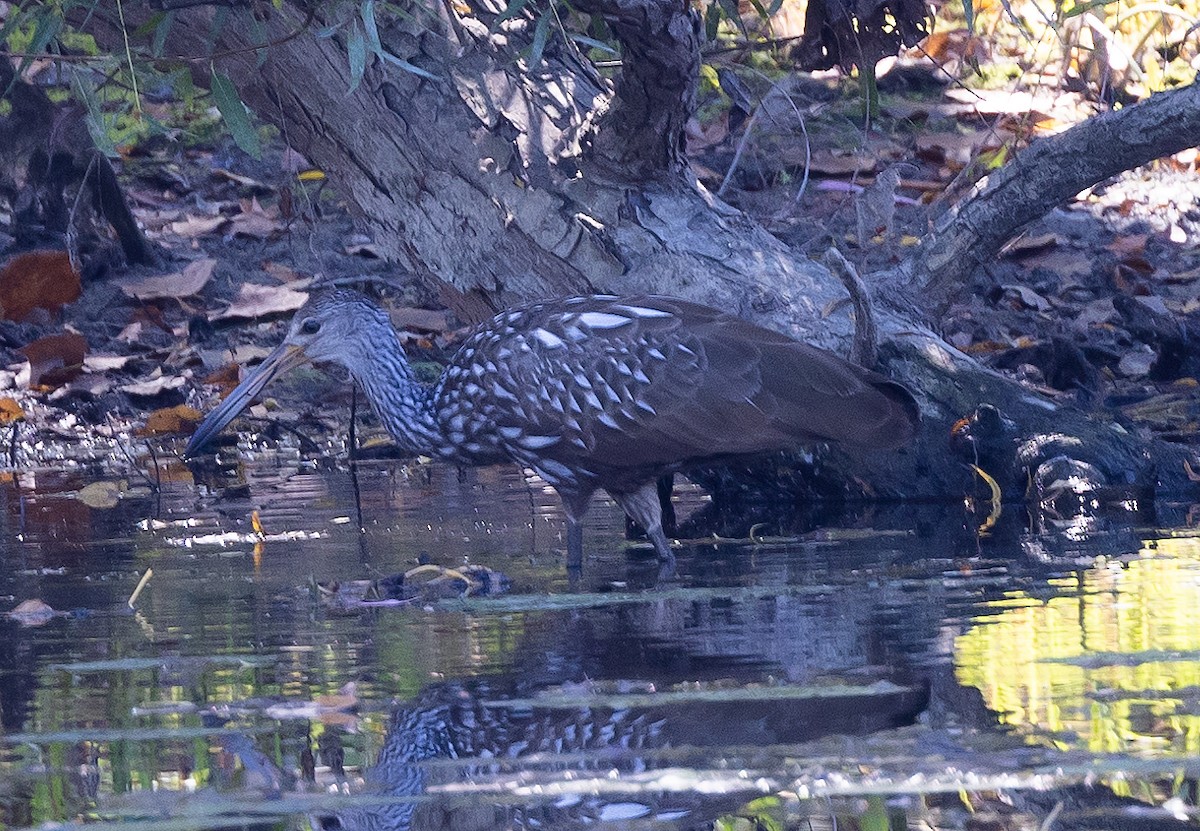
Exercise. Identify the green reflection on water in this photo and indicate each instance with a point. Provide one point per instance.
(1110, 665)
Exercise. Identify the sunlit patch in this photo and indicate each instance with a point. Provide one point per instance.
(1109, 665)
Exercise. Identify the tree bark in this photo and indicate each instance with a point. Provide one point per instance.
(501, 182)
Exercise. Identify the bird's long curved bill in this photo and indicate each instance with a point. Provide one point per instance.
(285, 357)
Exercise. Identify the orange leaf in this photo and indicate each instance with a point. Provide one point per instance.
(37, 280)
(10, 411)
(169, 420)
(55, 359)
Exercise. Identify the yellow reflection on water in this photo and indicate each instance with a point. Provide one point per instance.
(1112, 665)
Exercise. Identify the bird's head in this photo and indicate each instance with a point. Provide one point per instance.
(334, 326)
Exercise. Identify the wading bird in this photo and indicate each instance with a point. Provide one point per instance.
(594, 392)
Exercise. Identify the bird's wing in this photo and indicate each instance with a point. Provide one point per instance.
(605, 385)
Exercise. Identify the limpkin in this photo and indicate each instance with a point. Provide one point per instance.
(594, 392)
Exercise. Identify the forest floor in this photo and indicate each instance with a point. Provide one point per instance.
(1094, 304)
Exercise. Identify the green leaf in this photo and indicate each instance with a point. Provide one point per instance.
(86, 92)
(233, 111)
(712, 21)
(540, 34)
(730, 9)
(592, 43)
(367, 13)
(760, 10)
(47, 25)
(160, 33)
(969, 14)
(356, 48)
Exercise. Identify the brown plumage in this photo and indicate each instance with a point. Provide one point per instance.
(596, 392)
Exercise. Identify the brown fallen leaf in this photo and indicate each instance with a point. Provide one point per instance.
(194, 276)
(260, 301)
(10, 411)
(102, 495)
(255, 222)
(198, 226)
(171, 420)
(1029, 244)
(37, 280)
(55, 359)
(1129, 244)
(33, 613)
(421, 320)
(281, 272)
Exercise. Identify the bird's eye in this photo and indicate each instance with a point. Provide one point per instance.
(310, 327)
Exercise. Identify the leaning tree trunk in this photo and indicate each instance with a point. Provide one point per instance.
(499, 182)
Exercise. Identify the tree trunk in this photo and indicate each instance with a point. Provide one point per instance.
(501, 182)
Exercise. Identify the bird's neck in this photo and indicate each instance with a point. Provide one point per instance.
(402, 403)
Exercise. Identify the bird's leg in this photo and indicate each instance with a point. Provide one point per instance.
(575, 505)
(643, 505)
(665, 486)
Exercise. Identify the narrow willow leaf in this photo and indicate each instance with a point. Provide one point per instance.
(712, 21)
(86, 92)
(969, 14)
(356, 47)
(760, 10)
(46, 27)
(233, 111)
(592, 43)
(367, 13)
(408, 67)
(160, 33)
(540, 34)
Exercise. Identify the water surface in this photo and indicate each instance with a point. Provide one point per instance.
(273, 671)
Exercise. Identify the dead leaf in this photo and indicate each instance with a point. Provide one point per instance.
(237, 178)
(33, 613)
(1027, 297)
(1027, 244)
(281, 272)
(702, 136)
(198, 226)
(260, 301)
(105, 363)
(190, 281)
(37, 280)
(171, 420)
(153, 386)
(421, 320)
(55, 359)
(830, 163)
(131, 333)
(1134, 244)
(227, 377)
(10, 411)
(102, 495)
(255, 222)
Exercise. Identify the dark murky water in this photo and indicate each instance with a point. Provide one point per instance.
(880, 678)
